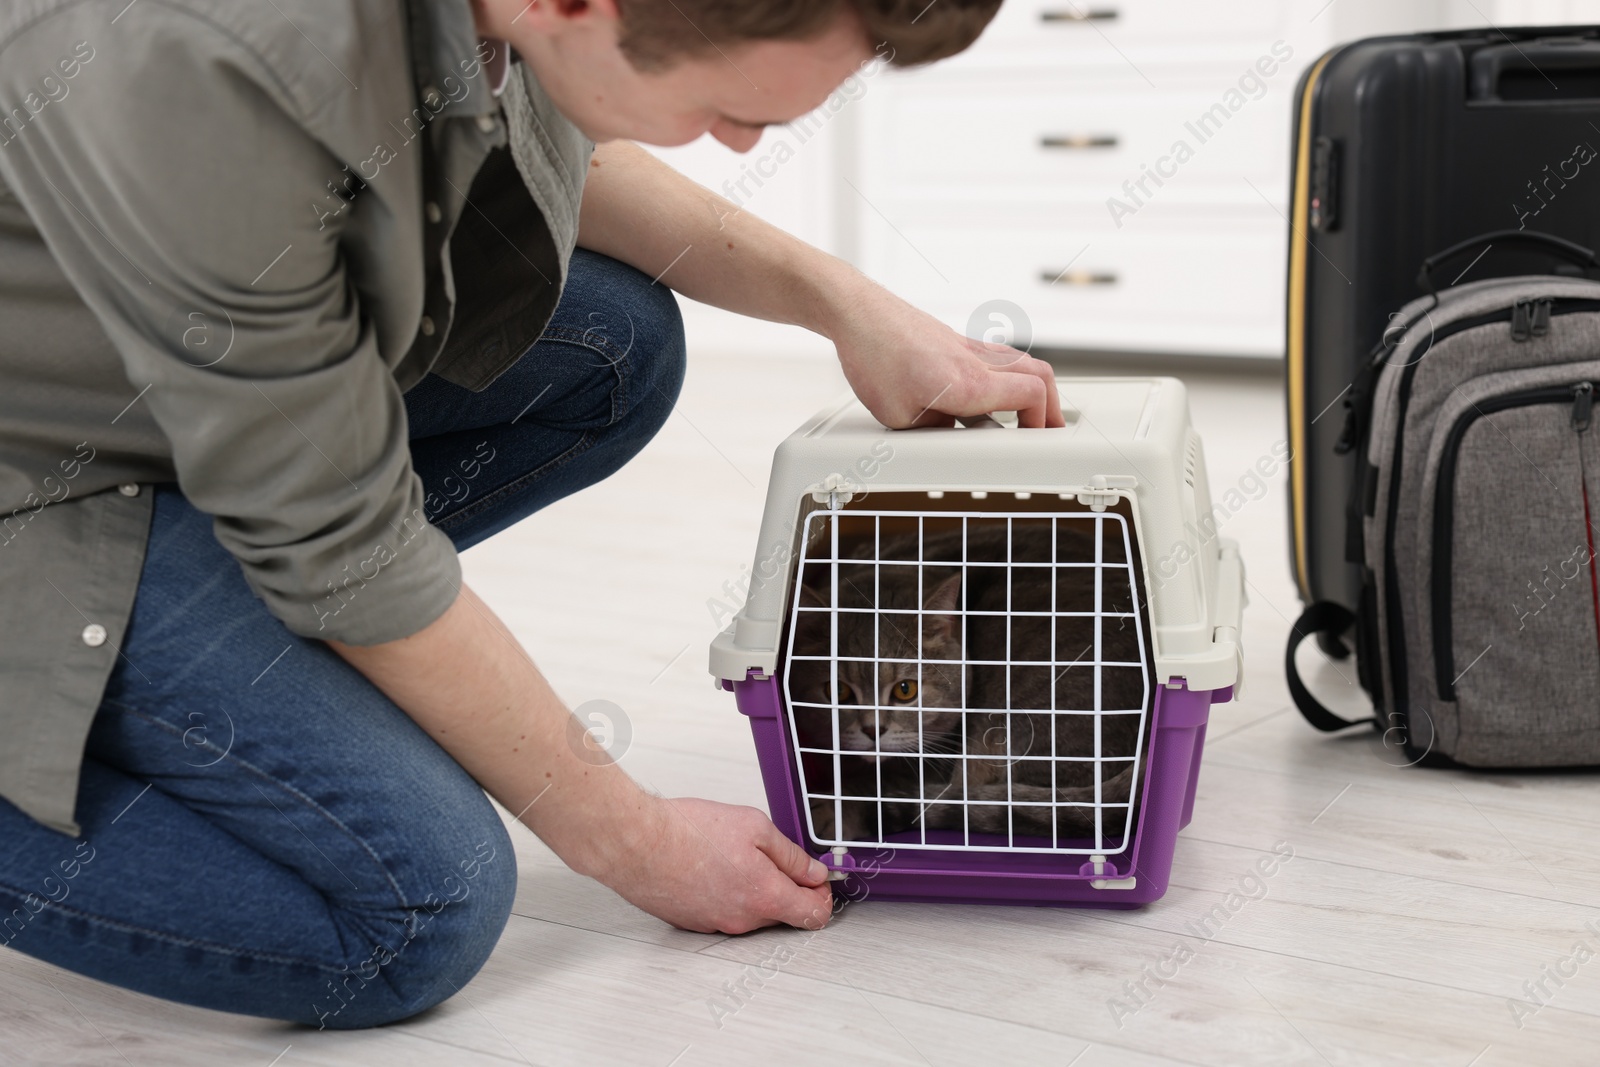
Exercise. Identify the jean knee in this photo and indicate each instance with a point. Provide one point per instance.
(430, 951)
(638, 328)
(658, 361)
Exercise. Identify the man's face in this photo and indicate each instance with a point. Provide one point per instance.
(731, 94)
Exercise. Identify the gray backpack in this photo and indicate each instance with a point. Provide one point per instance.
(1473, 519)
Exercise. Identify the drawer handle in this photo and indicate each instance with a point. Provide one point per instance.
(1072, 14)
(1078, 140)
(1077, 277)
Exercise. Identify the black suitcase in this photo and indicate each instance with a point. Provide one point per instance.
(1402, 147)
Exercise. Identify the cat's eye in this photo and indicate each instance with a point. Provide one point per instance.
(904, 691)
(847, 695)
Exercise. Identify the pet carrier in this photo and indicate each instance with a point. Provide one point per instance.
(978, 662)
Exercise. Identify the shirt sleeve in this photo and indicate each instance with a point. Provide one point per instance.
(178, 183)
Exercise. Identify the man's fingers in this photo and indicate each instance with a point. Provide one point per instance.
(791, 859)
(1011, 380)
(1023, 393)
(997, 355)
(1010, 361)
(809, 909)
(1052, 395)
(931, 417)
(809, 901)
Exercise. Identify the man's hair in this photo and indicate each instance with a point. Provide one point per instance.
(657, 33)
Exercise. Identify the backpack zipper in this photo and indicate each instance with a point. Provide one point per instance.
(1391, 588)
(1582, 412)
(1530, 317)
(1581, 396)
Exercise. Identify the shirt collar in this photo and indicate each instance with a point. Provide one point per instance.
(455, 50)
(498, 66)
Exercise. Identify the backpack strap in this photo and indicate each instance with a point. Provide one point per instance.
(1322, 617)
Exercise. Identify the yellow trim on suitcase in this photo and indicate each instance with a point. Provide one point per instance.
(1299, 214)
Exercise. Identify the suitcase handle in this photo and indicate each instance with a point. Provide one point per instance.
(1528, 64)
(1559, 247)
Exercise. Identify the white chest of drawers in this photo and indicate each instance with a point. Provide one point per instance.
(1117, 170)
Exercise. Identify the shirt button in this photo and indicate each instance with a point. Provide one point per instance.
(434, 214)
(94, 635)
(128, 490)
(427, 326)
(486, 123)
(430, 96)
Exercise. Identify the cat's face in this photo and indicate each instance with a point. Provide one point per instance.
(904, 715)
(896, 704)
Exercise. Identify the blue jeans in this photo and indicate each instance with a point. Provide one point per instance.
(264, 832)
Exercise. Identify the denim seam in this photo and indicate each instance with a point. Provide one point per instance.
(159, 631)
(318, 809)
(620, 365)
(515, 486)
(173, 939)
(618, 360)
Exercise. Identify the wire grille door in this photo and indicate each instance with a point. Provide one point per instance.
(964, 680)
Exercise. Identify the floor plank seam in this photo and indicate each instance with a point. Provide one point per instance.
(612, 933)
(1301, 774)
(1322, 772)
(949, 1010)
(1351, 967)
(1217, 740)
(417, 1033)
(1403, 874)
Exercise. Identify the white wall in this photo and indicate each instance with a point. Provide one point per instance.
(798, 176)
(1519, 12)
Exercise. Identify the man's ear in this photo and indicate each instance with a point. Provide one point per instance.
(604, 9)
(552, 13)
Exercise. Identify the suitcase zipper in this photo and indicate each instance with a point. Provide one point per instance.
(1296, 322)
(1581, 396)
(1391, 587)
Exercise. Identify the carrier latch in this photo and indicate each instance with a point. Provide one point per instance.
(1099, 865)
(834, 490)
(839, 863)
(1102, 490)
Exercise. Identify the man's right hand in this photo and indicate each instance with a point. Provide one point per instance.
(718, 868)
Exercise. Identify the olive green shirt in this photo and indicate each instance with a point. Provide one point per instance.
(231, 236)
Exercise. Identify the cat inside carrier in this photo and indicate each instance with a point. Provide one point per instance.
(978, 662)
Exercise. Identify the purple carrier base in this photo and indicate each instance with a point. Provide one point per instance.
(881, 872)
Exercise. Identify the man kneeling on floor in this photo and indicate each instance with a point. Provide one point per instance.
(300, 300)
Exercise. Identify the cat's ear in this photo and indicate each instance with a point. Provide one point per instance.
(945, 597)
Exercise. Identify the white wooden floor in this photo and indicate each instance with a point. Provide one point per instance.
(1415, 908)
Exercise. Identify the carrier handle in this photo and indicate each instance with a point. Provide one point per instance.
(1559, 247)
(1554, 54)
(1323, 617)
